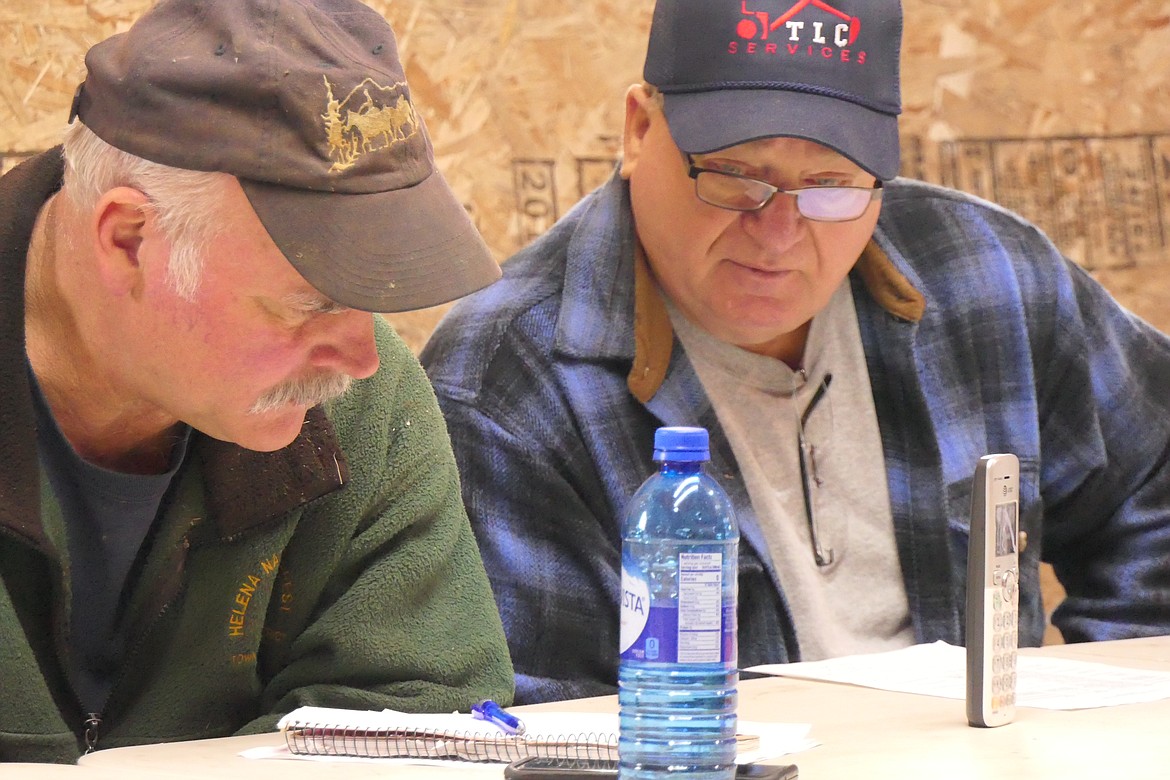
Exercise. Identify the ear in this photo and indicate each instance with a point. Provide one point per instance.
(119, 223)
(637, 124)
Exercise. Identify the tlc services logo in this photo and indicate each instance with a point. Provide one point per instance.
(829, 37)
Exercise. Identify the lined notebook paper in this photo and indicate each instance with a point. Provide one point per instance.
(391, 734)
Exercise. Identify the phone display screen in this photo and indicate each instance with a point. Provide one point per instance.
(1006, 531)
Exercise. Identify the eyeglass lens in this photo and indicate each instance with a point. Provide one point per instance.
(817, 203)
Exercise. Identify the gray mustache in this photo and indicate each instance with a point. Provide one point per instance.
(303, 392)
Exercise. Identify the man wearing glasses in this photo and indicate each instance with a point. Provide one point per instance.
(854, 342)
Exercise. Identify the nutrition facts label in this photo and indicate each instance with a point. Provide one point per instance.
(700, 607)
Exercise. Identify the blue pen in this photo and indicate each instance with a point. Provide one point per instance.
(493, 713)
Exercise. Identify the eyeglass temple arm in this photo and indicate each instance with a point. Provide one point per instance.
(823, 556)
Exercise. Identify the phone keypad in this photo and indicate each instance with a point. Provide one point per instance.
(1004, 639)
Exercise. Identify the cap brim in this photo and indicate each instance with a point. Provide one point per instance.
(703, 122)
(383, 252)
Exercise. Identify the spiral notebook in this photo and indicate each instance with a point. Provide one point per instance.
(320, 731)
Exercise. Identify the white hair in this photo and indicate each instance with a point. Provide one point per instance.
(185, 202)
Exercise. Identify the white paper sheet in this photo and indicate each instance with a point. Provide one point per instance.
(940, 669)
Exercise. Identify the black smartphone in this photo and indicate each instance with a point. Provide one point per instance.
(766, 772)
(537, 768)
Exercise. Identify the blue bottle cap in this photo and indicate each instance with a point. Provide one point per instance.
(683, 444)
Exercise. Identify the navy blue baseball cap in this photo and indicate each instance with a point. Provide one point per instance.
(733, 71)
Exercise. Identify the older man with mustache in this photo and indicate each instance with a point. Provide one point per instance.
(227, 489)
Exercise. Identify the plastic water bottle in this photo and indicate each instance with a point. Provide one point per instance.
(677, 676)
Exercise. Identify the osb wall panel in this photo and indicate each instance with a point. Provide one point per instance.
(1058, 110)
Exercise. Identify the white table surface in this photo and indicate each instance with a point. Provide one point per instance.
(865, 734)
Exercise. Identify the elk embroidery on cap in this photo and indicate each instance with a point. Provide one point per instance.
(384, 117)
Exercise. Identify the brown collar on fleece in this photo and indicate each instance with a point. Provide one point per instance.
(247, 488)
(654, 335)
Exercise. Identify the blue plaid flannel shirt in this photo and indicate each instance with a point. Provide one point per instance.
(1017, 350)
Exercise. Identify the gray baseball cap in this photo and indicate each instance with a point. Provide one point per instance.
(306, 103)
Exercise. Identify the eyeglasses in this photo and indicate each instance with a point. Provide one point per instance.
(743, 193)
(808, 475)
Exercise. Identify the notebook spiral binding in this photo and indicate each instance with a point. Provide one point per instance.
(326, 739)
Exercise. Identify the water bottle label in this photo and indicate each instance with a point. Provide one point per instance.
(698, 629)
(635, 607)
(659, 639)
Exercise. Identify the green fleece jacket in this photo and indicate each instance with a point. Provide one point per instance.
(340, 571)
